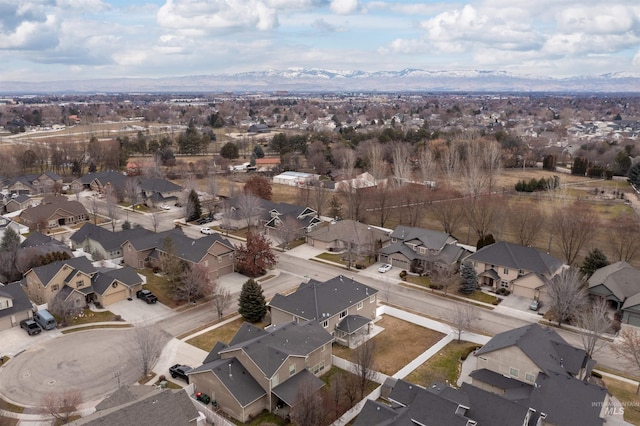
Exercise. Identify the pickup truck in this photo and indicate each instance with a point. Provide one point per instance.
(147, 296)
(31, 326)
(179, 370)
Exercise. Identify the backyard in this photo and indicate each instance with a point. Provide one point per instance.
(444, 366)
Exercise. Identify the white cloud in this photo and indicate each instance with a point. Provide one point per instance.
(217, 14)
(31, 35)
(405, 47)
(344, 7)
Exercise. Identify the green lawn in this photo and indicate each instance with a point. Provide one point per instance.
(479, 296)
(443, 366)
(88, 317)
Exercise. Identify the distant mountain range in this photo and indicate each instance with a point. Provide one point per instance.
(320, 80)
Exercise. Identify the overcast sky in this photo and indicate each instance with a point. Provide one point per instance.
(82, 39)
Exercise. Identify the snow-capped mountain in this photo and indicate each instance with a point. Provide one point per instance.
(321, 80)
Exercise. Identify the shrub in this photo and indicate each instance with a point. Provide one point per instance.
(403, 275)
(467, 351)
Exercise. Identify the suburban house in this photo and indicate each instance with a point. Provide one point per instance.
(15, 306)
(43, 244)
(144, 405)
(6, 223)
(263, 369)
(295, 178)
(212, 251)
(524, 271)
(345, 308)
(279, 218)
(80, 283)
(340, 235)
(528, 376)
(421, 250)
(150, 190)
(20, 202)
(103, 242)
(156, 191)
(619, 284)
(44, 183)
(57, 212)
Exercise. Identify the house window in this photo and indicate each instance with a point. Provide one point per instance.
(343, 314)
(529, 377)
(504, 284)
(325, 323)
(54, 287)
(359, 305)
(206, 263)
(514, 372)
(219, 259)
(292, 369)
(372, 299)
(275, 380)
(506, 271)
(79, 283)
(423, 250)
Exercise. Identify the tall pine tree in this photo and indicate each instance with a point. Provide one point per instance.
(468, 278)
(252, 304)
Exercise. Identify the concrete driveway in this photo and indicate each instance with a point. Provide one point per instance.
(138, 312)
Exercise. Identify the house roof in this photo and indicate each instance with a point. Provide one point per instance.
(244, 388)
(20, 199)
(513, 389)
(157, 407)
(315, 300)
(352, 323)
(20, 301)
(46, 272)
(491, 409)
(46, 211)
(433, 240)
(117, 179)
(517, 257)
(104, 278)
(44, 243)
(289, 390)
(348, 230)
(622, 279)
(269, 351)
(107, 239)
(158, 185)
(543, 346)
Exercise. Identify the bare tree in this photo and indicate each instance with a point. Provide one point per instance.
(450, 214)
(61, 405)
(65, 308)
(380, 200)
(593, 322)
(213, 188)
(249, 207)
(372, 152)
(628, 347)
(221, 299)
(132, 191)
(194, 283)
(625, 237)
(155, 220)
(319, 196)
(573, 225)
(450, 161)
(289, 230)
(308, 408)
(426, 164)
(473, 171)
(483, 214)
(93, 208)
(492, 159)
(363, 360)
(443, 278)
(149, 342)
(567, 294)
(462, 317)
(111, 205)
(526, 221)
(401, 157)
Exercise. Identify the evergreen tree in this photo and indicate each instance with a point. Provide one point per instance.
(252, 304)
(229, 151)
(258, 151)
(595, 260)
(634, 175)
(193, 206)
(468, 278)
(335, 208)
(487, 240)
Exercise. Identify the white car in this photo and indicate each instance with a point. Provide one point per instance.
(165, 207)
(207, 231)
(385, 267)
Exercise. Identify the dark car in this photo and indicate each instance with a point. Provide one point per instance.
(179, 370)
(31, 326)
(147, 296)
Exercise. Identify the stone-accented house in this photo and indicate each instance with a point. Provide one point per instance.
(524, 271)
(80, 283)
(264, 369)
(58, 212)
(102, 241)
(144, 406)
(619, 284)
(340, 235)
(212, 251)
(421, 250)
(20, 202)
(343, 307)
(14, 306)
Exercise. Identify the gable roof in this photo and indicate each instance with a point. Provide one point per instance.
(289, 390)
(517, 257)
(46, 272)
(46, 211)
(158, 185)
(545, 347)
(433, 240)
(104, 278)
(269, 351)
(622, 279)
(44, 243)
(314, 300)
(348, 230)
(238, 380)
(19, 298)
(107, 239)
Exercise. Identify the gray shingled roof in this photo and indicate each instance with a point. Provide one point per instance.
(490, 409)
(46, 272)
(158, 185)
(16, 293)
(289, 390)
(513, 389)
(45, 211)
(433, 240)
(269, 351)
(348, 230)
(543, 346)
(352, 323)
(244, 388)
(313, 299)
(108, 240)
(519, 257)
(104, 278)
(622, 279)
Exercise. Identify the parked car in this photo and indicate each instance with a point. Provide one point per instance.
(207, 231)
(30, 326)
(181, 371)
(165, 207)
(147, 296)
(385, 267)
(535, 305)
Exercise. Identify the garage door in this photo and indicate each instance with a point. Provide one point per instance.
(400, 263)
(634, 320)
(524, 291)
(116, 296)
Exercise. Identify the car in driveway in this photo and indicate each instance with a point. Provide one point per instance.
(180, 371)
(31, 327)
(147, 296)
(535, 305)
(385, 267)
(207, 231)
(165, 207)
